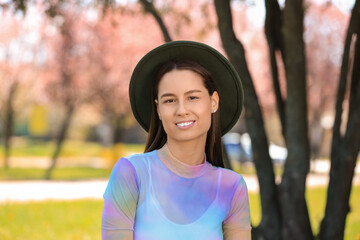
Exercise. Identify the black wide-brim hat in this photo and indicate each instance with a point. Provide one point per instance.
(227, 80)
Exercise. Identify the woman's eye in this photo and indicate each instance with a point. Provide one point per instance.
(193, 98)
(169, 101)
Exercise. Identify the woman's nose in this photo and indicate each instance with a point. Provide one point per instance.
(181, 109)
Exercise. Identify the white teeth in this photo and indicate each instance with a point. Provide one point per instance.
(184, 124)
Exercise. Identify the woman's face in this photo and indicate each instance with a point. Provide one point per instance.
(185, 106)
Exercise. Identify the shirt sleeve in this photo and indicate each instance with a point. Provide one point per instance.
(120, 202)
(238, 221)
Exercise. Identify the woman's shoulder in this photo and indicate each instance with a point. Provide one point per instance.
(138, 160)
(132, 165)
(230, 177)
(141, 157)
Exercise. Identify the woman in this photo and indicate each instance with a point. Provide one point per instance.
(178, 188)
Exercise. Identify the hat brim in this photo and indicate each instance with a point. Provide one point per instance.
(227, 80)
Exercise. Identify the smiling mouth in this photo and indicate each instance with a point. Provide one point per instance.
(185, 124)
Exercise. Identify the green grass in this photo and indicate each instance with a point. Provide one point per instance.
(81, 219)
(316, 200)
(249, 168)
(71, 148)
(255, 208)
(58, 174)
(24, 147)
(66, 173)
(52, 220)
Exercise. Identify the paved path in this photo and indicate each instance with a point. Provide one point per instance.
(68, 190)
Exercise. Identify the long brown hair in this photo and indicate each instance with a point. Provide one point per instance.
(157, 136)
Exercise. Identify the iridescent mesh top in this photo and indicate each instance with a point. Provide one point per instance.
(153, 196)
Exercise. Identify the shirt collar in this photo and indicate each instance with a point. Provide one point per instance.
(179, 168)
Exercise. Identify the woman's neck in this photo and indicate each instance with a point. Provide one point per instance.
(189, 153)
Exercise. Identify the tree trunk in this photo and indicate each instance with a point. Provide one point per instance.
(273, 23)
(270, 225)
(9, 123)
(295, 217)
(60, 139)
(226, 159)
(117, 124)
(344, 148)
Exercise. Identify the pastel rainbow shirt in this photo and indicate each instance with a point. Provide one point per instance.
(157, 197)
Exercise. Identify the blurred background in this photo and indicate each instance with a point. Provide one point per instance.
(64, 107)
(65, 69)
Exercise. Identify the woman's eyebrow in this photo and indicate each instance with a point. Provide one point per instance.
(186, 93)
(193, 91)
(167, 95)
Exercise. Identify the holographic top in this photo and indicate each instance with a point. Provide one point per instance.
(153, 196)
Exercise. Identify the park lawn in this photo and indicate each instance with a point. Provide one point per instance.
(65, 174)
(51, 220)
(72, 148)
(81, 219)
(316, 200)
(23, 147)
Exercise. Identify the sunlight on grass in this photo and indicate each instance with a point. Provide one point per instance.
(316, 199)
(81, 219)
(58, 174)
(255, 209)
(352, 230)
(24, 147)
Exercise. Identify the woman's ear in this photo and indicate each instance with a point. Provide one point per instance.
(214, 101)
(157, 108)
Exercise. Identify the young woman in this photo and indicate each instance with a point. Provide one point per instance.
(178, 188)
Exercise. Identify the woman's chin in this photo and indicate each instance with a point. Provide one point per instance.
(187, 137)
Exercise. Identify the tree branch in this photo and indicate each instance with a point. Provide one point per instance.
(273, 24)
(344, 149)
(150, 8)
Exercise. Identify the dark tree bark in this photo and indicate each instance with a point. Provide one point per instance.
(270, 225)
(117, 124)
(273, 24)
(295, 217)
(226, 159)
(345, 148)
(118, 128)
(9, 122)
(149, 7)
